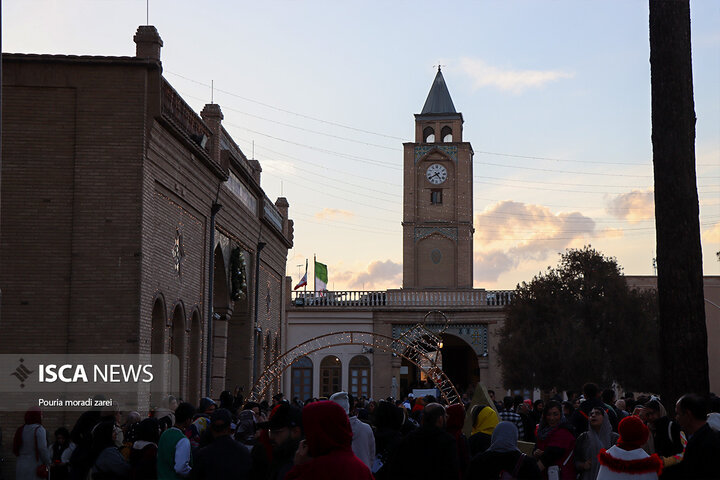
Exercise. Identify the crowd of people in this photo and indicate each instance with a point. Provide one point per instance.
(591, 436)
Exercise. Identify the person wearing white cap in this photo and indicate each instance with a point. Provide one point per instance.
(363, 441)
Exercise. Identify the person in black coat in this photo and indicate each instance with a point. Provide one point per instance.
(223, 457)
(388, 420)
(503, 456)
(665, 433)
(703, 448)
(428, 452)
(143, 454)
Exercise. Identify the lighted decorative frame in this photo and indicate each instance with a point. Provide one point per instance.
(418, 346)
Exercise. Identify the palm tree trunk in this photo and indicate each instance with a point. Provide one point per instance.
(683, 333)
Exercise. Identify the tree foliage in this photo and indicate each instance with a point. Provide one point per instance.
(580, 322)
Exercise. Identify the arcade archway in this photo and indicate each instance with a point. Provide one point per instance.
(459, 362)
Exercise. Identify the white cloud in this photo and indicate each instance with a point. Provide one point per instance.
(333, 214)
(634, 207)
(612, 233)
(515, 81)
(712, 234)
(378, 276)
(509, 233)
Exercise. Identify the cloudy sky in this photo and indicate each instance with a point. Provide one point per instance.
(555, 97)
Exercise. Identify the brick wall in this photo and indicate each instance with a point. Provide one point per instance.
(97, 186)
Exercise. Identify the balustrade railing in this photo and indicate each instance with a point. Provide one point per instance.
(402, 298)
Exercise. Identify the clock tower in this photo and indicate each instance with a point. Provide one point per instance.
(437, 198)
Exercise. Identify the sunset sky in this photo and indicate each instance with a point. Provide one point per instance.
(555, 97)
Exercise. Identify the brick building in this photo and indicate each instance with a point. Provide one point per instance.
(118, 201)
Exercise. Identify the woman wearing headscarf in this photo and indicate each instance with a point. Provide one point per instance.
(30, 446)
(109, 463)
(143, 455)
(503, 456)
(555, 443)
(598, 436)
(326, 453)
(485, 419)
(454, 425)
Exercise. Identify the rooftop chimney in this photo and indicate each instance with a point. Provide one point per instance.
(148, 42)
(212, 116)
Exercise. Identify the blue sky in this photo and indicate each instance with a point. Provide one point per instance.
(327, 92)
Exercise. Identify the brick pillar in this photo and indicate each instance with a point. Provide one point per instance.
(257, 170)
(213, 117)
(282, 205)
(148, 42)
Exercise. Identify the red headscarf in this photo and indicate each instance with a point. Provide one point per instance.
(456, 418)
(327, 428)
(32, 416)
(329, 438)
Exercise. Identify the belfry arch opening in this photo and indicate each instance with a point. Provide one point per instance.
(446, 134)
(428, 135)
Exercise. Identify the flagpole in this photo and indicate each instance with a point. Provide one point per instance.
(314, 274)
(306, 265)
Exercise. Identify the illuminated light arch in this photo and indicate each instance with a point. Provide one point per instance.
(418, 345)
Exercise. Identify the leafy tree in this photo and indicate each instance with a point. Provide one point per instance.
(580, 322)
(683, 333)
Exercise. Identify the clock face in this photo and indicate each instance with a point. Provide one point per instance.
(436, 174)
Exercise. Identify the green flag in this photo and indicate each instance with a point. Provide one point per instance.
(321, 276)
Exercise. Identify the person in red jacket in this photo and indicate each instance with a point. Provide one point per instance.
(555, 444)
(326, 453)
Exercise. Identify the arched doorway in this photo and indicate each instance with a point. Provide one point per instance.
(178, 347)
(459, 362)
(240, 339)
(157, 337)
(219, 324)
(195, 362)
(158, 346)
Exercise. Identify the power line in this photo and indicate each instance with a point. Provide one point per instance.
(308, 162)
(327, 122)
(337, 124)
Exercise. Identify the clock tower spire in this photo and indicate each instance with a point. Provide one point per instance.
(437, 197)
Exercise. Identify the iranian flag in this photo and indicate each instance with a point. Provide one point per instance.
(303, 282)
(321, 277)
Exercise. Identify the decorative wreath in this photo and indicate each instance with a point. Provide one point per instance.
(238, 275)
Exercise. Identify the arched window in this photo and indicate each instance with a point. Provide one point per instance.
(302, 379)
(446, 134)
(428, 135)
(330, 376)
(360, 376)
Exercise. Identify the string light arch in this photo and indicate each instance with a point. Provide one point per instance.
(418, 346)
